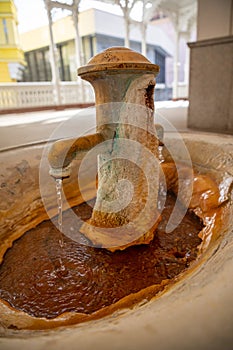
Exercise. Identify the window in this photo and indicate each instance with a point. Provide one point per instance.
(160, 60)
(38, 66)
(64, 67)
(5, 30)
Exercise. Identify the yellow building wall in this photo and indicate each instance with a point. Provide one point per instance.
(8, 13)
(8, 6)
(4, 72)
(10, 50)
(11, 54)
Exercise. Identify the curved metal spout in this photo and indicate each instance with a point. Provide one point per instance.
(64, 151)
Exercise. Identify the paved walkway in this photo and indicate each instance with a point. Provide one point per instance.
(33, 127)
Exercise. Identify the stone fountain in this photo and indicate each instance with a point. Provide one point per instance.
(195, 306)
(124, 82)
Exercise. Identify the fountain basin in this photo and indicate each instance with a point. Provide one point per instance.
(193, 311)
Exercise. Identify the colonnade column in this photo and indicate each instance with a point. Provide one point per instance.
(53, 57)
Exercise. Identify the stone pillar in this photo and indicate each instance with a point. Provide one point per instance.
(187, 60)
(53, 55)
(211, 69)
(176, 66)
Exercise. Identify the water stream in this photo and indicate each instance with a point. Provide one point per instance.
(59, 206)
(161, 158)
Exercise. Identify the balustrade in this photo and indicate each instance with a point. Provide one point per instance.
(26, 95)
(43, 94)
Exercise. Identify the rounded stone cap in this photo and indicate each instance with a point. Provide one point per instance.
(118, 59)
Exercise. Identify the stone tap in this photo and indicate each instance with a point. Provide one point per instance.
(123, 82)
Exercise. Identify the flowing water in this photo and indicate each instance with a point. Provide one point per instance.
(59, 206)
(161, 158)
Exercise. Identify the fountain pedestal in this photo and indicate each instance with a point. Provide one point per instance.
(125, 212)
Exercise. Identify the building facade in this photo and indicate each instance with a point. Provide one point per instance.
(11, 54)
(98, 30)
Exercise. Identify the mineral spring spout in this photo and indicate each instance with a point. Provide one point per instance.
(63, 152)
(125, 212)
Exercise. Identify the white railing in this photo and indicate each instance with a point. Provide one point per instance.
(31, 95)
(183, 90)
(26, 95)
(164, 93)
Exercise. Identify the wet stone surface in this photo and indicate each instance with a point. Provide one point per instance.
(45, 278)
